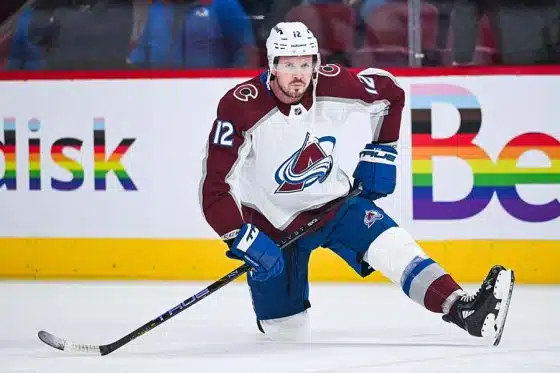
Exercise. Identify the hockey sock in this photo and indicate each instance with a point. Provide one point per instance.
(426, 283)
(395, 254)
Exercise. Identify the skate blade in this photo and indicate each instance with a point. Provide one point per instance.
(494, 326)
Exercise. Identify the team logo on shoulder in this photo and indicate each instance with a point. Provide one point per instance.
(245, 92)
(371, 217)
(309, 164)
(329, 70)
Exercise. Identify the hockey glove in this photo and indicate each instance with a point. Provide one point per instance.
(259, 251)
(376, 171)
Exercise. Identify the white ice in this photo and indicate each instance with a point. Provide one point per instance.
(356, 328)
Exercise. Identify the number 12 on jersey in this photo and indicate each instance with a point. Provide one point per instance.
(223, 133)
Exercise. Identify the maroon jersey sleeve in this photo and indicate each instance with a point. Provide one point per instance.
(381, 85)
(228, 144)
(219, 205)
(376, 89)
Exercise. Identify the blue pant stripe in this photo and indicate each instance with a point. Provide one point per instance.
(419, 267)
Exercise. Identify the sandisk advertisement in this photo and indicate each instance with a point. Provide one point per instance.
(479, 157)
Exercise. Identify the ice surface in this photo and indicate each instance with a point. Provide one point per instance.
(356, 328)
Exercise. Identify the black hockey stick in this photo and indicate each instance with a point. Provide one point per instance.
(65, 345)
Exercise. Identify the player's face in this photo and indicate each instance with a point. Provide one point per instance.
(293, 75)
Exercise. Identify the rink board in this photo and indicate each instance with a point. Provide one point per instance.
(478, 173)
(534, 262)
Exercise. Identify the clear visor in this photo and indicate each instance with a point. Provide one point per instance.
(296, 65)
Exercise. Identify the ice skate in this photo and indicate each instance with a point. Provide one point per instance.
(484, 313)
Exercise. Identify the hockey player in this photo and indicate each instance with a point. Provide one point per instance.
(271, 165)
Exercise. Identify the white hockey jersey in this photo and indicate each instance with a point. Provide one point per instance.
(283, 158)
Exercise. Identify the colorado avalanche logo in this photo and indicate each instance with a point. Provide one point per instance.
(311, 163)
(371, 216)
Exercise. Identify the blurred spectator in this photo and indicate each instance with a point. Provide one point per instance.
(368, 6)
(195, 34)
(526, 31)
(465, 28)
(7, 8)
(444, 10)
(259, 12)
(265, 14)
(334, 26)
(117, 34)
(387, 40)
(7, 28)
(364, 7)
(72, 34)
(345, 2)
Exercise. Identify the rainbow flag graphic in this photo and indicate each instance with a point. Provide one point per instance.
(67, 163)
(103, 165)
(8, 148)
(500, 176)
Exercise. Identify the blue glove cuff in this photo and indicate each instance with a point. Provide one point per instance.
(376, 170)
(379, 153)
(256, 248)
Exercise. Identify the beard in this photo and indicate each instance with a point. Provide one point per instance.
(294, 91)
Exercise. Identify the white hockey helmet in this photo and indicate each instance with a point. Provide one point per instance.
(291, 39)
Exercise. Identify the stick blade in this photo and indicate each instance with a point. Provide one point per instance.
(52, 340)
(64, 345)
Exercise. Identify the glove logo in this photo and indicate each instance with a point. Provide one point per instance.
(371, 216)
(312, 162)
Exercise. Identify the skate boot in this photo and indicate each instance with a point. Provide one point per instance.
(484, 313)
